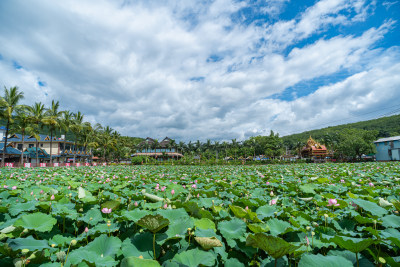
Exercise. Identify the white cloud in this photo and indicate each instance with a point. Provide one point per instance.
(186, 69)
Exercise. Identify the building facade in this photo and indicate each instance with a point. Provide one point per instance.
(388, 148)
(158, 150)
(314, 151)
(62, 150)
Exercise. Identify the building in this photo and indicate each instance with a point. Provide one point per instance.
(388, 148)
(158, 150)
(62, 150)
(314, 151)
(12, 154)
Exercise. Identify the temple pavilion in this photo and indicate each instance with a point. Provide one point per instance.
(314, 151)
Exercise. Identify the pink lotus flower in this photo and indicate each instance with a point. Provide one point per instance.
(273, 202)
(371, 184)
(165, 205)
(333, 202)
(86, 229)
(136, 204)
(106, 211)
(4, 186)
(198, 195)
(32, 193)
(267, 183)
(52, 197)
(172, 192)
(14, 187)
(247, 208)
(163, 188)
(308, 241)
(194, 186)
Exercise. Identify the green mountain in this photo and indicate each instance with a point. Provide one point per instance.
(386, 126)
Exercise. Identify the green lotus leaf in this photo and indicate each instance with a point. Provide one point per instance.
(372, 207)
(277, 227)
(233, 229)
(138, 262)
(80, 255)
(17, 208)
(391, 221)
(238, 211)
(195, 257)
(36, 221)
(265, 211)
(208, 243)
(318, 260)
(92, 217)
(111, 204)
(140, 245)
(153, 223)
(173, 215)
(258, 228)
(308, 188)
(27, 243)
(352, 244)
(179, 229)
(134, 215)
(60, 240)
(205, 223)
(274, 246)
(104, 245)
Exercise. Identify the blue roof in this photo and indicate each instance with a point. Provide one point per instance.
(3, 128)
(27, 138)
(9, 150)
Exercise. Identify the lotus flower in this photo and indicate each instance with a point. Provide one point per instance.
(333, 202)
(136, 204)
(52, 197)
(86, 230)
(4, 186)
(194, 186)
(371, 184)
(272, 202)
(308, 241)
(106, 210)
(165, 205)
(14, 187)
(267, 183)
(172, 192)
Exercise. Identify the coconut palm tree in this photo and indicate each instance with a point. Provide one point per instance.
(36, 113)
(23, 125)
(76, 127)
(8, 105)
(65, 122)
(51, 119)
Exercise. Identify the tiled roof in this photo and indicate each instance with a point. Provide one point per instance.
(27, 138)
(9, 150)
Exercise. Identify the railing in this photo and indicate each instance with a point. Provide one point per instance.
(55, 164)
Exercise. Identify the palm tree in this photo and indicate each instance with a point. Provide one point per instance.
(51, 119)
(9, 104)
(76, 128)
(23, 125)
(36, 113)
(66, 121)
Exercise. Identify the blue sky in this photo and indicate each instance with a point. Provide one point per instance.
(202, 70)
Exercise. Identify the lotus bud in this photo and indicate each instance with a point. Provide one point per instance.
(140, 257)
(25, 231)
(312, 233)
(308, 228)
(53, 245)
(326, 215)
(24, 251)
(18, 262)
(382, 260)
(73, 242)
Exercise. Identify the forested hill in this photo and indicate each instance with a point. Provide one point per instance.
(386, 126)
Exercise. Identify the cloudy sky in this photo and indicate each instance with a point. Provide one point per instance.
(206, 69)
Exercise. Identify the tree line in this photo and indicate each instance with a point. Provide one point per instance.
(36, 119)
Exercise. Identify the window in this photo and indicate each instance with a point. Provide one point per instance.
(31, 145)
(19, 147)
(41, 145)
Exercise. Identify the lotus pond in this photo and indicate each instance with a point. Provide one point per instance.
(274, 215)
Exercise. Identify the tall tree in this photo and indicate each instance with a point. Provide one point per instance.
(9, 104)
(36, 113)
(76, 128)
(23, 125)
(52, 119)
(66, 121)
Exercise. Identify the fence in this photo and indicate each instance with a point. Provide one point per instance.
(56, 164)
